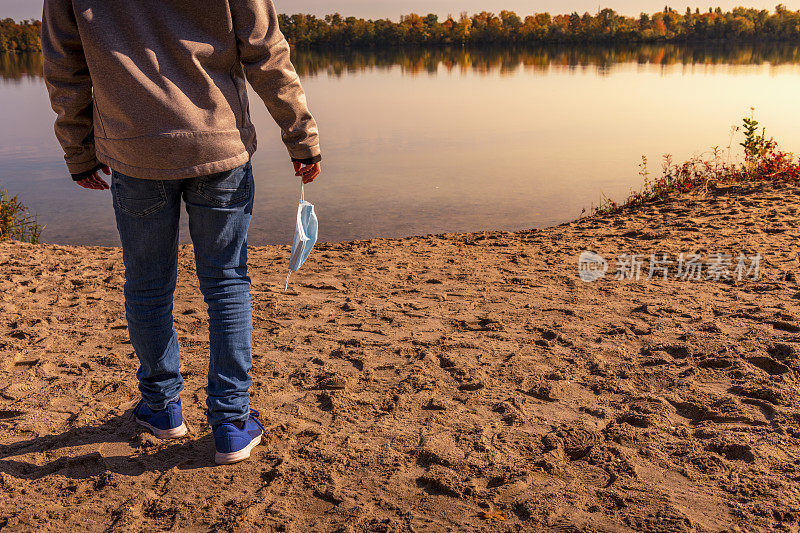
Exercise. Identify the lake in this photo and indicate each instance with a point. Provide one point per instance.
(448, 140)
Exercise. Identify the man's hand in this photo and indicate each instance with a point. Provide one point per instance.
(95, 181)
(309, 172)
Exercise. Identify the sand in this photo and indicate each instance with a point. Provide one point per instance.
(453, 382)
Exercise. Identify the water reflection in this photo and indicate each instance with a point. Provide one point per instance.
(506, 60)
(20, 66)
(337, 62)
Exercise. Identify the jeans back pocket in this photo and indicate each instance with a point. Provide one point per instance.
(228, 188)
(138, 197)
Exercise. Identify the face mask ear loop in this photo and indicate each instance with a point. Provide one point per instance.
(286, 288)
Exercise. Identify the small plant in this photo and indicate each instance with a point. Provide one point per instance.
(763, 161)
(16, 223)
(754, 145)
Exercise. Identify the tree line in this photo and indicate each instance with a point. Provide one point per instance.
(507, 27)
(20, 36)
(485, 28)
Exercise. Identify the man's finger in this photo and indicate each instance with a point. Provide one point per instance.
(98, 181)
(308, 178)
(94, 182)
(306, 168)
(308, 173)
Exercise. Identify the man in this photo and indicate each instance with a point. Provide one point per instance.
(155, 90)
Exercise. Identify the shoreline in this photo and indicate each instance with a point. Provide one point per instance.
(463, 381)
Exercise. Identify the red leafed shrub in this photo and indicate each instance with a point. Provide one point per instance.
(763, 161)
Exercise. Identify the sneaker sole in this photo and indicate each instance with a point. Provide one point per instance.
(235, 457)
(173, 433)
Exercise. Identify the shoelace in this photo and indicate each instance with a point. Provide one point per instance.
(254, 416)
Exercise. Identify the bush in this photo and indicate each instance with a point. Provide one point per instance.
(763, 161)
(16, 223)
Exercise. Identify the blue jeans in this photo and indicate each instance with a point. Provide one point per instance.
(220, 207)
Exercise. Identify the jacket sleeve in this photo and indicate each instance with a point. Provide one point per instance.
(264, 54)
(68, 82)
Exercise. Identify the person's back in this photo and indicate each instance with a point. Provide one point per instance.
(169, 87)
(155, 90)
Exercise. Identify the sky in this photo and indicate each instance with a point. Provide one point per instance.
(22, 9)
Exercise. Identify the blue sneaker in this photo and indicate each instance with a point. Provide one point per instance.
(235, 440)
(166, 424)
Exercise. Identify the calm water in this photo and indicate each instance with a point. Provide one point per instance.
(435, 141)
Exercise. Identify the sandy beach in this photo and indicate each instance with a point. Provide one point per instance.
(453, 382)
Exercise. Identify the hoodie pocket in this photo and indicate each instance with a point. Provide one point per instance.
(240, 86)
(100, 127)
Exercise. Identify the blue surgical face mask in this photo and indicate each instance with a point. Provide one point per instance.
(305, 236)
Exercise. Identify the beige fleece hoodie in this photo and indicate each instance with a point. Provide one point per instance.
(155, 89)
